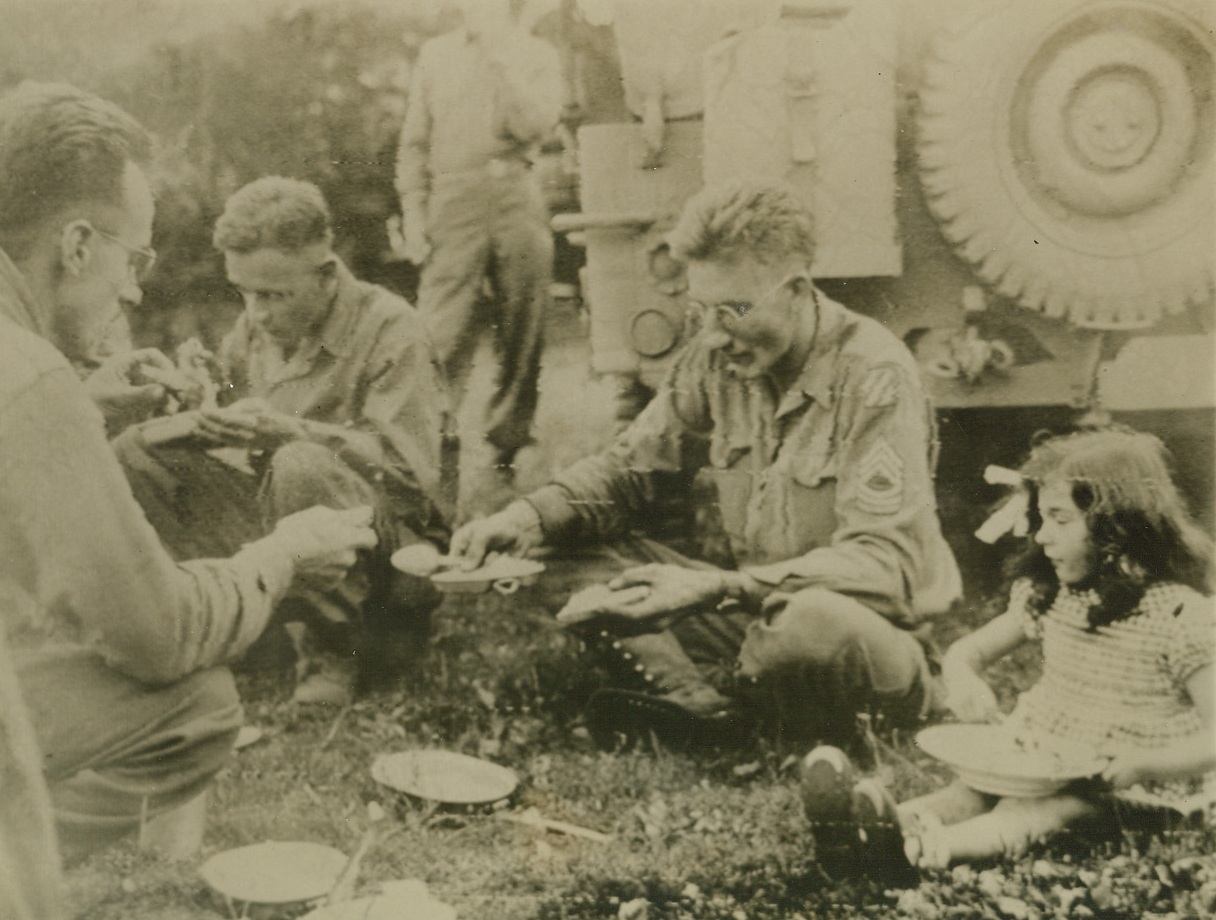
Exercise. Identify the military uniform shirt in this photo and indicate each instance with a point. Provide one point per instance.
(828, 485)
(368, 377)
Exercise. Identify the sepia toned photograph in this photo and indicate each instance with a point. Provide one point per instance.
(607, 459)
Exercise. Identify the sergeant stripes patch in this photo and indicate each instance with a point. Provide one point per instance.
(880, 487)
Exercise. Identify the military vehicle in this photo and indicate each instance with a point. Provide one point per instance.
(1021, 189)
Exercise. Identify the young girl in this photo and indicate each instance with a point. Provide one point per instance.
(1114, 583)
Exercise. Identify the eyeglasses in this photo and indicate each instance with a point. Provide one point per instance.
(140, 259)
(728, 313)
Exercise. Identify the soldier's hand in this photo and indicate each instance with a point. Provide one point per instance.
(407, 235)
(250, 423)
(416, 248)
(654, 594)
(126, 389)
(323, 542)
(142, 364)
(514, 530)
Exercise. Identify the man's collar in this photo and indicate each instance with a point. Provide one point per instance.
(818, 372)
(22, 307)
(333, 336)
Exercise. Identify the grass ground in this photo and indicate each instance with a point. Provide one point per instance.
(711, 837)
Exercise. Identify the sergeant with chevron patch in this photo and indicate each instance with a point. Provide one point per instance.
(821, 445)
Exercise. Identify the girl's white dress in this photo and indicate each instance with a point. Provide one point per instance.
(1123, 684)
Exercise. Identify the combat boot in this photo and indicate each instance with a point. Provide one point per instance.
(660, 693)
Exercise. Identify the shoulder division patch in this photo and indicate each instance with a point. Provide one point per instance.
(880, 388)
(880, 478)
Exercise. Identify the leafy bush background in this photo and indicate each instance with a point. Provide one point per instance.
(233, 90)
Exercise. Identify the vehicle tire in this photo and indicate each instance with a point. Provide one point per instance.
(1066, 149)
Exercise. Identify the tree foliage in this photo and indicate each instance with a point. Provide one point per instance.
(314, 89)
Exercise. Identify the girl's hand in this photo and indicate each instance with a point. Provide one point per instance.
(1127, 768)
(967, 694)
(969, 697)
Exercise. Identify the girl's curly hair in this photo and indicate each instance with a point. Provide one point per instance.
(1138, 522)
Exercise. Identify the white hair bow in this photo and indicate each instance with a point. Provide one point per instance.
(1013, 516)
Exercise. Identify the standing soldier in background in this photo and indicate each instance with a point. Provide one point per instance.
(481, 98)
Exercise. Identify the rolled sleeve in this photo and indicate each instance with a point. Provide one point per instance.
(606, 493)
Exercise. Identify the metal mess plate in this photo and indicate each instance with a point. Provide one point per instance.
(275, 872)
(988, 758)
(503, 573)
(444, 776)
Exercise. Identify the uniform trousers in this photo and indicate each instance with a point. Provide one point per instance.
(118, 752)
(31, 887)
(489, 229)
(204, 507)
(816, 658)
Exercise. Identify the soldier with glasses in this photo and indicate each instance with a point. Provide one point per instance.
(811, 424)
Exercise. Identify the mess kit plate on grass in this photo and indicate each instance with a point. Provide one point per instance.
(444, 776)
(275, 872)
(988, 758)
